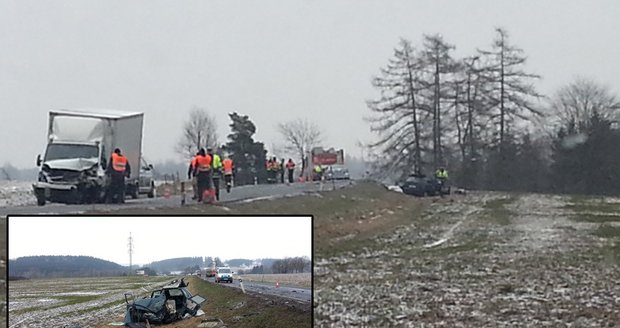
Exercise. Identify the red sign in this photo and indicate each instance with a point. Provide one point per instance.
(325, 159)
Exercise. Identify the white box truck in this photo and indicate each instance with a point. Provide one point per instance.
(79, 146)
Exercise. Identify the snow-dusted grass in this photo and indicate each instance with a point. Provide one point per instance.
(16, 193)
(69, 301)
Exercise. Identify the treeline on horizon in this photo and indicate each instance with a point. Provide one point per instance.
(482, 118)
(53, 266)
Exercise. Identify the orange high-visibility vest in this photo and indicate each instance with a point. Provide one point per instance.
(119, 162)
(228, 166)
(290, 165)
(203, 163)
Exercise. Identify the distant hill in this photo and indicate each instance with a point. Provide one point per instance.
(45, 266)
(176, 264)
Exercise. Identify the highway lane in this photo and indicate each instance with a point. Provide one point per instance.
(295, 293)
(237, 194)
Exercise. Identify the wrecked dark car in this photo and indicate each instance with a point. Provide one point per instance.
(168, 304)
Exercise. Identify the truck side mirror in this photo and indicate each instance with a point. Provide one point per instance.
(104, 163)
(39, 160)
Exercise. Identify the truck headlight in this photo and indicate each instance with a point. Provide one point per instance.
(42, 177)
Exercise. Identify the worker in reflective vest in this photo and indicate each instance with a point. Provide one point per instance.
(202, 171)
(227, 163)
(117, 171)
(216, 171)
(281, 168)
(318, 171)
(191, 176)
(290, 166)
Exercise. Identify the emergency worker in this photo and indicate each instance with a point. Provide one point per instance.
(191, 176)
(216, 171)
(117, 171)
(228, 166)
(202, 172)
(318, 171)
(290, 166)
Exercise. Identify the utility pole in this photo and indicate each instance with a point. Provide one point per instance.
(130, 247)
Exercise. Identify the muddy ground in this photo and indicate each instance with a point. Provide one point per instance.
(481, 260)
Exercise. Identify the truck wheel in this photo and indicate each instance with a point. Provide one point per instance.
(151, 193)
(134, 191)
(40, 201)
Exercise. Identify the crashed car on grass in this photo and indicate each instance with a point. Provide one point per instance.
(168, 304)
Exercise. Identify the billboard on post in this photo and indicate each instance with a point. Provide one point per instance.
(327, 157)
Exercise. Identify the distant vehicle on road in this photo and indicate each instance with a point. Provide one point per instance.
(146, 184)
(224, 274)
(166, 305)
(338, 173)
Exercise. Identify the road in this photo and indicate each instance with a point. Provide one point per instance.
(241, 193)
(298, 294)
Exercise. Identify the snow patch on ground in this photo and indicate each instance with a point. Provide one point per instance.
(16, 193)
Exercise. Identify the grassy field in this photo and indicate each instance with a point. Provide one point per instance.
(236, 309)
(486, 259)
(284, 279)
(100, 301)
(58, 302)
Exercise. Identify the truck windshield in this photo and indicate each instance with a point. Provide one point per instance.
(66, 151)
(224, 270)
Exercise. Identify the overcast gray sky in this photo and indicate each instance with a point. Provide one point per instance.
(271, 60)
(159, 238)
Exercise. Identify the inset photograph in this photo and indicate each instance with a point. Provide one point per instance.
(160, 271)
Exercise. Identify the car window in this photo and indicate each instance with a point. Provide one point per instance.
(415, 179)
(224, 271)
(175, 292)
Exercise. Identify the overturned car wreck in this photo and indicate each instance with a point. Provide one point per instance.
(168, 304)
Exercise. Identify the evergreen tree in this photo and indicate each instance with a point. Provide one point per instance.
(248, 155)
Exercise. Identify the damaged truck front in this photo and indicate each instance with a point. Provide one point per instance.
(168, 304)
(79, 145)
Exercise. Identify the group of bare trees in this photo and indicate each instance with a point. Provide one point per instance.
(291, 265)
(433, 105)
(200, 131)
(300, 137)
(482, 117)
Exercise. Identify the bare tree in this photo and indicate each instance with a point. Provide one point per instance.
(437, 60)
(200, 130)
(511, 94)
(577, 102)
(402, 118)
(301, 136)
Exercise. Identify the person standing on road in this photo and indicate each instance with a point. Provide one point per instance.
(202, 172)
(319, 172)
(227, 163)
(191, 176)
(217, 171)
(281, 171)
(117, 171)
(290, 166)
